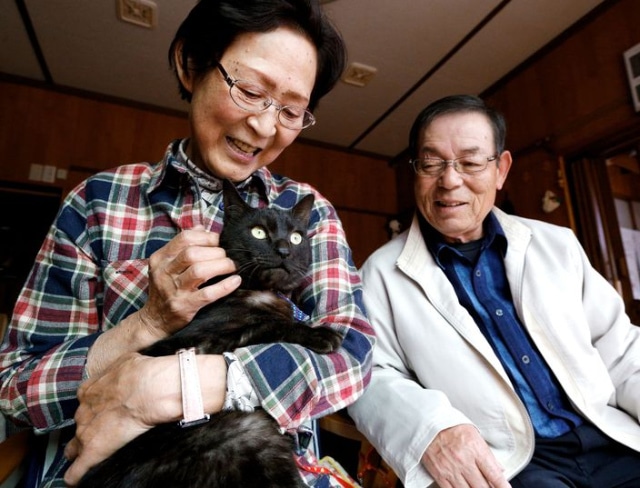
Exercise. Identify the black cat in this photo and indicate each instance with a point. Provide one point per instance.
(234, 449)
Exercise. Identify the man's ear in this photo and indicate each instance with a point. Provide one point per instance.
(184, 75)
(504, 165)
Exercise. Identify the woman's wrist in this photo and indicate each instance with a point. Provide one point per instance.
(143, 328)
(213, 384)
(130, 335)
(161, 385)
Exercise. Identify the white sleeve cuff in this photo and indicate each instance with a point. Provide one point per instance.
(240, 393)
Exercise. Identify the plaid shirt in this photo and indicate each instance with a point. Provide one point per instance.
(91, 273)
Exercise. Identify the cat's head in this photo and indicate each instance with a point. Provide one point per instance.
(269, 246)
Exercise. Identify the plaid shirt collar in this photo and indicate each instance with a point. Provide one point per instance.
(175, 167)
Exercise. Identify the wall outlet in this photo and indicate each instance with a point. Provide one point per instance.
(35, 172)
(49, 174)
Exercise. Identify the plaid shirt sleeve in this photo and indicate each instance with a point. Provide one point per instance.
(295, 383)
(55, 321)
(88, 275)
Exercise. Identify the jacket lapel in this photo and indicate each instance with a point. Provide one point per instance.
(417, 263)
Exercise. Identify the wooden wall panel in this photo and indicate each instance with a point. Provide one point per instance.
(624, 176)
(531, 176)
(576, 91)
(349, 180)
(570, 95)
(362, 188)
(365, 233)
(40, 126)
(84, 135)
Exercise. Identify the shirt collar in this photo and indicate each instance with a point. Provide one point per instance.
(176, 164)
(493, 236)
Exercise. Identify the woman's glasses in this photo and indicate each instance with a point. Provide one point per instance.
(253, 98)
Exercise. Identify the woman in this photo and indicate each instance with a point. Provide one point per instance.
(123, 263)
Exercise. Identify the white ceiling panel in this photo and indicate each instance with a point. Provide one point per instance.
(422, 50)
(396, 39)
(520, 29)
(16, 53)
(87, 47)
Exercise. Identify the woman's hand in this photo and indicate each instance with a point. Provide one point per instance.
(128, 399)
(176, 272)
(128, 393)
(135, 394)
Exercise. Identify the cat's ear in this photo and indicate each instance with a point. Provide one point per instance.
(233, 202)
(302, 209)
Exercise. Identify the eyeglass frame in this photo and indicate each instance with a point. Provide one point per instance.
(445, 163)
(267, 101)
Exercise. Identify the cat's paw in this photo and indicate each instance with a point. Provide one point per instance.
(325, 340)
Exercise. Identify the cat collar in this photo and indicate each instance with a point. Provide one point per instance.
(298, 314)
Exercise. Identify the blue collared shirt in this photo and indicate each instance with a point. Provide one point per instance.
(478, 275)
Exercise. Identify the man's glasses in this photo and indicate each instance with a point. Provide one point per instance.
(466, 165)
(255, 99)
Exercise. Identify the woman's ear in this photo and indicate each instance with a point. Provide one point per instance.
(184, 75)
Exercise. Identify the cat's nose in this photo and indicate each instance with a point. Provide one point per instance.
(284, 252)
(283, 249)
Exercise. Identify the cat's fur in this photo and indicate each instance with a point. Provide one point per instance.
(233, 449)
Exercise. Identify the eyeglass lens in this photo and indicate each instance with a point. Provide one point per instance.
(464, 165)
(254, 98)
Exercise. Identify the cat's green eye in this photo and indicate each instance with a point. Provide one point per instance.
(258, 232)
(295, 238)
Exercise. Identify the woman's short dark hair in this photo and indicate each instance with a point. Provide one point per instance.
(457, 104)
(213, 25)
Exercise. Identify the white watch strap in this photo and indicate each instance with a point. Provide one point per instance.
(193, 410)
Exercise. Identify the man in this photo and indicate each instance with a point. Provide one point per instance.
(502, 354)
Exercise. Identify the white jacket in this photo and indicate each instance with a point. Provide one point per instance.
(434, 369)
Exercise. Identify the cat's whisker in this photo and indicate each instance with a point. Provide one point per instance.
(249, 269)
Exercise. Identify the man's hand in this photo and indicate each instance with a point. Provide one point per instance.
(459, 457)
